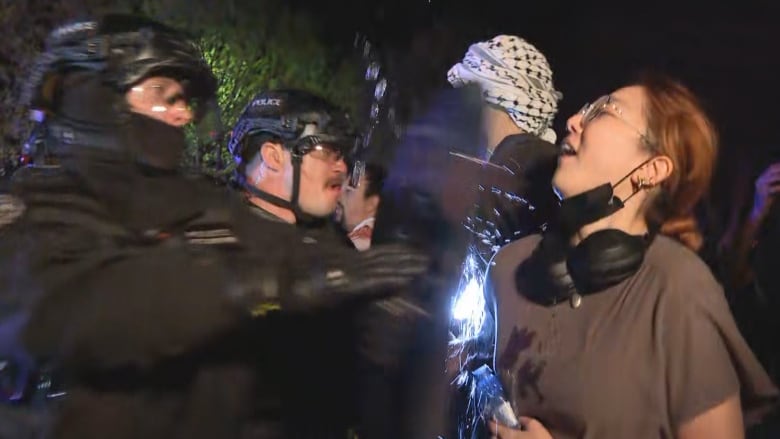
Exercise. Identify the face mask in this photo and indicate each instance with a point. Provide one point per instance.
(155, 143)
(592, 205)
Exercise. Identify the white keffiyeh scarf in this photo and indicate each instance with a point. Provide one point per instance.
(514, 75)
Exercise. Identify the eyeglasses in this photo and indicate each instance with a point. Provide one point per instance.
(605, 105)
(318, 149)
(161, 97)
(327, 153)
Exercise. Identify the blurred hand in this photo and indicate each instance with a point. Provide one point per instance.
(532, 429)
(767, 186)
(324, 280)
(375, 273)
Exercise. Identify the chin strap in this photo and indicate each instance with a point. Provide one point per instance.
(297, 161)
(301, 218)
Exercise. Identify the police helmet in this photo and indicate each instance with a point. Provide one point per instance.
(297, 119)
(123, 50)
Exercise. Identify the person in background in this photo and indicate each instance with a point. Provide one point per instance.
(748, 254)
(519, 104)
(357, 207)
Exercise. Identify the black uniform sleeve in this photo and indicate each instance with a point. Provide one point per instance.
(106, 306)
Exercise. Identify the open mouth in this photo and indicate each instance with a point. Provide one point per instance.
(567, 150)
(335, 184)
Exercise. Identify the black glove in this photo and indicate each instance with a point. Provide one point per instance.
(326, 280)
(348, 275)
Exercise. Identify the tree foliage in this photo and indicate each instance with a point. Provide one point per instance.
(250, 45)
(246, 63)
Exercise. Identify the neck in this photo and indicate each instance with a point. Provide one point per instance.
(284, 214)
(632, 223)
(258, 177)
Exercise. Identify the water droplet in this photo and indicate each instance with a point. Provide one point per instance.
(367, 137)
(372, 72)
(379, 91)
(366, 49)
(358, 142)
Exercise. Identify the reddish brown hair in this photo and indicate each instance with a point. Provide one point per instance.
(680, 130)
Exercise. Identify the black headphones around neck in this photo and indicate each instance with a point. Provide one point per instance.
(557, 271)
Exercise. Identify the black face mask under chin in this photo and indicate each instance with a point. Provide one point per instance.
(592, 205)
(153, 142)
(587, 207)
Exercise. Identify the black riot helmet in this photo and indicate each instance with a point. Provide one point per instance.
(108, 57)
(298, 120)
(123, 49)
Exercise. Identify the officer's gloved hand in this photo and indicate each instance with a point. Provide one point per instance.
(349, 275)
(325, 280)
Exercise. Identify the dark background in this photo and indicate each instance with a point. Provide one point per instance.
(727, 54)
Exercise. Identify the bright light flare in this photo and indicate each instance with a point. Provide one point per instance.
(468, 305)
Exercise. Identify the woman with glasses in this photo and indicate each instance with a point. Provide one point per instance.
(609, 325)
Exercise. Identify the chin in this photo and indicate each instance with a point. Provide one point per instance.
(557, 186)
(322, 212)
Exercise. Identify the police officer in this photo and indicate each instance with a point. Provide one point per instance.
(290, 146)
(140, 286)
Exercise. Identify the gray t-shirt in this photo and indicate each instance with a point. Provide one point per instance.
(635, 361)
